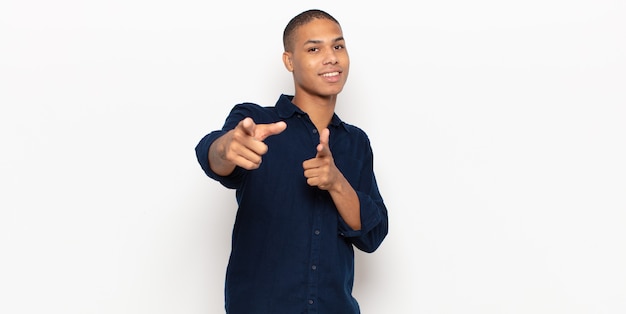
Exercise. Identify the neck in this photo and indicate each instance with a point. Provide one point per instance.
(319, 109)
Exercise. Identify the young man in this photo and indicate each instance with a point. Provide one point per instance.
(304, 184)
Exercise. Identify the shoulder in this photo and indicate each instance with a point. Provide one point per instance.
(250, 107)
(259, 113)
(357, 138)
(355, 131)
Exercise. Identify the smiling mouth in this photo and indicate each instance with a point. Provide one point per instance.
(330, 74)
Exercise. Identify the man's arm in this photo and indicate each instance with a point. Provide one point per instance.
(321, 171)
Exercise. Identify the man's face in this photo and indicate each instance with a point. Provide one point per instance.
(319, 60)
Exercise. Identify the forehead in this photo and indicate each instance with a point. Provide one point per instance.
(318, 30)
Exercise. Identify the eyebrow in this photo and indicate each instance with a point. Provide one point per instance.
(317, 41)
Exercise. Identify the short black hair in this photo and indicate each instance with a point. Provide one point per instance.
(301, 19)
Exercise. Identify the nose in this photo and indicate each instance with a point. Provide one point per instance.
(331, 58)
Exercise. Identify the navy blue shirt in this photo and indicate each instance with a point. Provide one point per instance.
(291, 251)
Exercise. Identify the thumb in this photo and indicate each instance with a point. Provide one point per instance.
(265, 130)
(323, 149)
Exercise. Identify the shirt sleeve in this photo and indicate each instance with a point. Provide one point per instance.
(374, 218)
(233, 180)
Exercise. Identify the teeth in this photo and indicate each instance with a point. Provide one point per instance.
(330, 74)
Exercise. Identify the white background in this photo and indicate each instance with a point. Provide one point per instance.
(498, 128)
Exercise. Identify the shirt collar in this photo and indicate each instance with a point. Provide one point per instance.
(287, 109)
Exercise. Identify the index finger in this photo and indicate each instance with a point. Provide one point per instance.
(265, 130)
(323, 148)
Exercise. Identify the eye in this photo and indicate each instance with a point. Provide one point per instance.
(339, 47)
(313, 49)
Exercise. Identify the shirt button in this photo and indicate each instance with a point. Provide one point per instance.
(314, 131)
(310, 301)
(314, 267)
(317, 232)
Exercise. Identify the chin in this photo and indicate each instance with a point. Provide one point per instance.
(334, 91)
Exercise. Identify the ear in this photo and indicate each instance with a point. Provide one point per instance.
(287, 61)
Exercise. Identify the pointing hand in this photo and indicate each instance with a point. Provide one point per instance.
(243, 146)
(321, 171)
